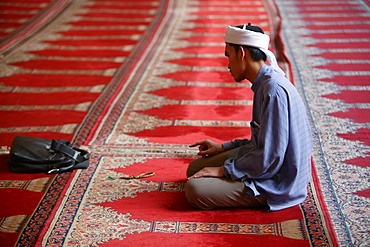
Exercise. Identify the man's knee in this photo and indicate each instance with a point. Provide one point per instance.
(212, 161)
(194, 167)
(196, 195)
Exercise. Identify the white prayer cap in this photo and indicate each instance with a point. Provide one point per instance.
(243, 36)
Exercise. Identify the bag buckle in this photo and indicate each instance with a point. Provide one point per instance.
(75, 155)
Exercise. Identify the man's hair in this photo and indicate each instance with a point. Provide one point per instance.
(256, 53)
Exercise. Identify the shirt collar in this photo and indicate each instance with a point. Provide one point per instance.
(258, 79)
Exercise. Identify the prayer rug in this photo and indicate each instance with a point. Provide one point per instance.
(49, 79)
(143, 79)
(327, 43)
(174, 89)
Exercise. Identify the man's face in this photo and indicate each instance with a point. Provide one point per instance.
(236, 65)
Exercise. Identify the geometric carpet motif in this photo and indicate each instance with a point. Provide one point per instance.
(166, 102)
(49, 80)
(329, 48)
(136, 81)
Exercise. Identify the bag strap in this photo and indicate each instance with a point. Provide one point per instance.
(75, 165)
(61, 169)
(77, 154)
(80, 157)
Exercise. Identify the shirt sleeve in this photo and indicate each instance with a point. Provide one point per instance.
(235, 143)
(270, 137)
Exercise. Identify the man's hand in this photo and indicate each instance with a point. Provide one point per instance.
(215, 172)
(208, 148)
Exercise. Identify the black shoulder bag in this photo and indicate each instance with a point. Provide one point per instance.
(32, 155)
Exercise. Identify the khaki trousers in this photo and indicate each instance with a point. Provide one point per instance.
(209, 193)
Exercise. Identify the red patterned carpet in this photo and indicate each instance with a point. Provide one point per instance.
(328, 45)
(136, 81)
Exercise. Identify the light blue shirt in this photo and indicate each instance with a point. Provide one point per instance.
(276, 162)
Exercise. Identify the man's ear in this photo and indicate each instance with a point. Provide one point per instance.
(242, 53)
